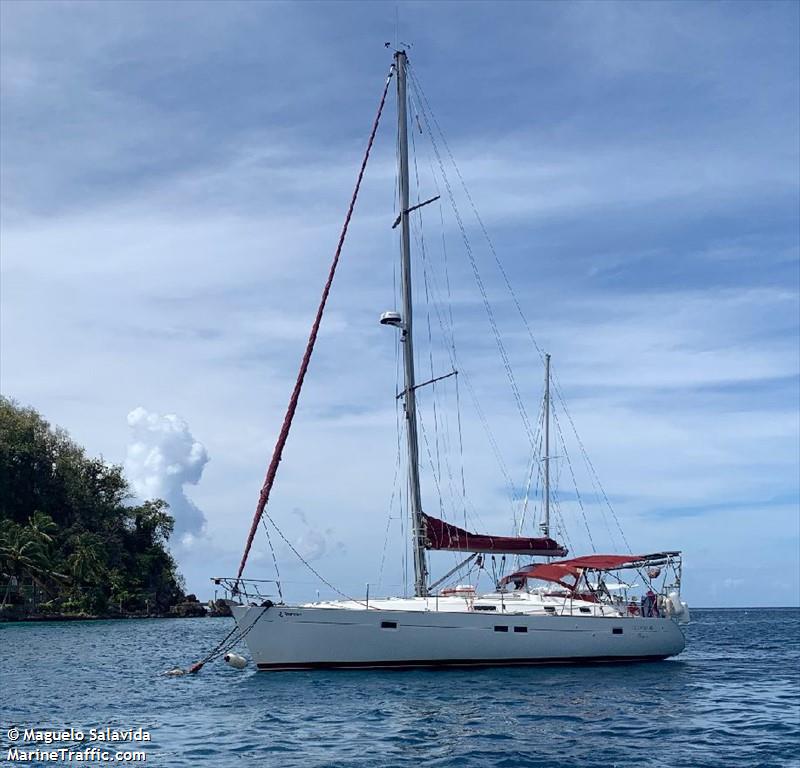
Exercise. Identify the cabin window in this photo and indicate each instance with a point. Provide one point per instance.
(584, 609)
(485, 607)
(617, 630)
(550, 609)
(520, 629)
(388, 625)
(501, 628)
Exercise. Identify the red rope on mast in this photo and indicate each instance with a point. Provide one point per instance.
(287, 420)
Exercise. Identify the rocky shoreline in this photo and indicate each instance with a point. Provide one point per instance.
(190, 608)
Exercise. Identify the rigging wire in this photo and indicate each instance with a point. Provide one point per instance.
(274, 559)
(493, 444)
(592, 471)
(452, 326)
(423, 252)
(445, 443)
(395, 488)
(430, 459)
(383, 550)
(535, 465)
(473, 263)
(574, 482)
(308, 565)
(453, 355)
(441, 422)
(461, 453)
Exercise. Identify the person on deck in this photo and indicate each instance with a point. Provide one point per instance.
(649, 604)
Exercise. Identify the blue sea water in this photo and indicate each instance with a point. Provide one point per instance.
(731, 699)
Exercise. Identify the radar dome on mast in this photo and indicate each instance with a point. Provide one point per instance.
(392, 318)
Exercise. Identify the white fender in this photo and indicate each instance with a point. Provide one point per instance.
(235, 660)
(680, 610)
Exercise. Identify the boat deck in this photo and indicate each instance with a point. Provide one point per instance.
(517, 602)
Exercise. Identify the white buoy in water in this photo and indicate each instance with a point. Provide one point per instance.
(235, 660)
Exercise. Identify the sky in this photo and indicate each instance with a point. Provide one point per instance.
(174, 178)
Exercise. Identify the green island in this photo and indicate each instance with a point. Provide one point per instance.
(73, 542)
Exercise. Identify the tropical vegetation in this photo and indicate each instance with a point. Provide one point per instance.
(72, 538)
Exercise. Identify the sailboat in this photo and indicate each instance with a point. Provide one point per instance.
(556, 610)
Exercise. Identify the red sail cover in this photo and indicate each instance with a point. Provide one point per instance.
(442, 535)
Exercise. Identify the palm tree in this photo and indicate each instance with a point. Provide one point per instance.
(41, 527)
(20, 553)
(86, 562)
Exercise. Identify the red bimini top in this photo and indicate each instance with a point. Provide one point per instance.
(561, 569)
(442, 535)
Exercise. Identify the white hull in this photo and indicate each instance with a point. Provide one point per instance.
(308, 637)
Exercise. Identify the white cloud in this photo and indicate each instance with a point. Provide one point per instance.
(162, 458)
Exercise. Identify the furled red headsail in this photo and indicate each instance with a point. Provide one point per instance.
(442, 535)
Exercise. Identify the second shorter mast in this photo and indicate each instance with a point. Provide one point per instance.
(546, 522)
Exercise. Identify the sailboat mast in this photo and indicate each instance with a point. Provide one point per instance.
(410, 400)
(546, 521)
